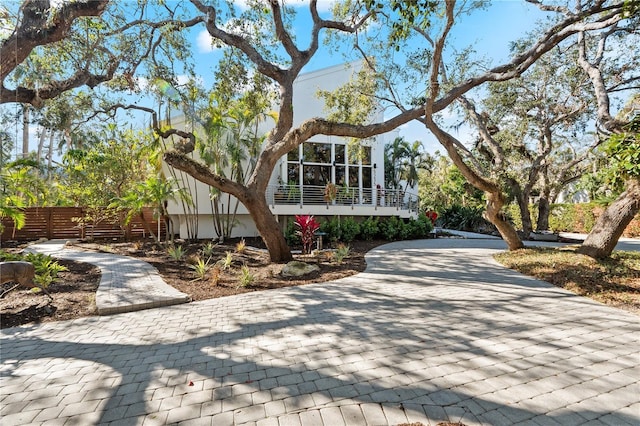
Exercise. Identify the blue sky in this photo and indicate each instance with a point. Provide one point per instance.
(490, 31)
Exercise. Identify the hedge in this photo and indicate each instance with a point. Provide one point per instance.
(578, 217)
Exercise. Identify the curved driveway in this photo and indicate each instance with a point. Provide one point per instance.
(434, 330)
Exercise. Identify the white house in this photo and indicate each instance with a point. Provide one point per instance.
(299, 180)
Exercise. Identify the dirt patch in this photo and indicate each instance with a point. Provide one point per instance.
(73, 297)
(74, 293)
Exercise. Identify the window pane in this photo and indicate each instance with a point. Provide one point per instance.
(340, 175)
(354, 154)
(366, 155)
(316, 152)
(359, 153)
(293, 177)
(339, 154)
(293, 155)
(317, 175)
(354, 177)
(366, 177)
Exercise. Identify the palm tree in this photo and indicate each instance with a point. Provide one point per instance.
(414, 160)
(395, 154)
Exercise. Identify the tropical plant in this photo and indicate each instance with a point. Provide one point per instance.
(330, 192)
(342, 251)
(226, 261)
(200, 268)
(306, 226)
(232, 143)
(176, 252)
(432, 216)
(46, 268)
(216, 273)
(463, 218)
(246, 276)
(207, 249)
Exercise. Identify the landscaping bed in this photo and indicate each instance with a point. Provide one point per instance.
(74, 293)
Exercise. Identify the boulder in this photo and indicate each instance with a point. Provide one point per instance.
(298, 269)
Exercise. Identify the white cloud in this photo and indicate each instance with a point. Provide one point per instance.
(143, 82)
(323, 5)
(204, 41)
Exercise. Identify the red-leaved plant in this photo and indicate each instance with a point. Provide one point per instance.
(306, 228)
(432, 216)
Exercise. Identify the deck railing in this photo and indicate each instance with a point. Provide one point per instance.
(278, 195)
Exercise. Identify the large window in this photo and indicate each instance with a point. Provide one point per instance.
(318, 163)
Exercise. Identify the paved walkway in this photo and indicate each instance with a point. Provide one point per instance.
(126, 285)
(434, 330)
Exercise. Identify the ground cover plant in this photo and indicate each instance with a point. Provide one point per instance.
(614, 281)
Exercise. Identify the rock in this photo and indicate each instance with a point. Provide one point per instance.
(298, 269)
(544, 236)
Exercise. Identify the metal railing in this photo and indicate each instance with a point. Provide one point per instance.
(300, 195)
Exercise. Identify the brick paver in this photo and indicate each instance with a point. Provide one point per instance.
(434, 330)
(126, 284)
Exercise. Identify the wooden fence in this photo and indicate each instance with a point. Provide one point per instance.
(58, 222)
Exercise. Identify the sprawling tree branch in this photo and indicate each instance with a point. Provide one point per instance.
(41, 25)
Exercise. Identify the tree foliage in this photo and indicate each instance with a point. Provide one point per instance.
(410, 40)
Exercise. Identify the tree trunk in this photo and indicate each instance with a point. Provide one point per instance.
(43, 136)
(268, 227)
(522, 199)
(25, 131)
(253, 198)
(493, 192)
(611, 224)
(495, 201)
(544, 210)
(525, 214)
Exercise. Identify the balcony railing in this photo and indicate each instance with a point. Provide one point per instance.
(278, 195)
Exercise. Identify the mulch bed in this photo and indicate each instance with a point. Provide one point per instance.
(74, 292)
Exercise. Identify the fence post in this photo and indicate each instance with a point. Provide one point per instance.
(49, 216)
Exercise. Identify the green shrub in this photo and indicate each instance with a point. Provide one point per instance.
(369, 228)
(420, 227)
(332, 228)
(463, 218)
(573, 217)
(293, 239)
(46, 268)
(390, 228)
(405, 230)
(349, 229)
(427, 225)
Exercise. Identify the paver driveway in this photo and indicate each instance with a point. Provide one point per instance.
(434, 330)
